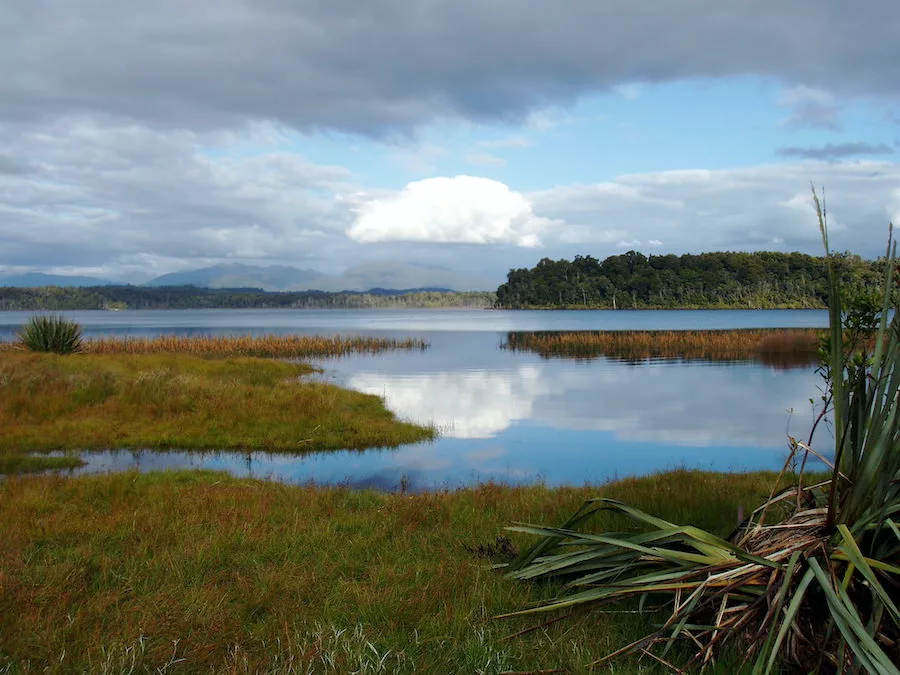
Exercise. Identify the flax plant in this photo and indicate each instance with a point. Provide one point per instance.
(812, 579)
(51, 334)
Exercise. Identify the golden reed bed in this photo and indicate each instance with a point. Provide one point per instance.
(776, 347)
(267, 346)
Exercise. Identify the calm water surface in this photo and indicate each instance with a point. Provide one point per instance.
(510, 416)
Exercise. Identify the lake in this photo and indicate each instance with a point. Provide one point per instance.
(508, 416)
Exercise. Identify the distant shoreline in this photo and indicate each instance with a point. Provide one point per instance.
(118, 298)
(683, 308)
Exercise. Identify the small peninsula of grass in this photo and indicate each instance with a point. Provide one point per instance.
(207, 573)
(100, 401)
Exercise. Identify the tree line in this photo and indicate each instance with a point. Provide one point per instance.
(758, 280)
(54, 298)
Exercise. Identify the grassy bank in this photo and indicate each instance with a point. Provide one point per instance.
(775, 347)
(179, 401)
(213, 574)
(261, 346)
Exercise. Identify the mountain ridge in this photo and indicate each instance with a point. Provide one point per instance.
(38, 279)
(384, 275)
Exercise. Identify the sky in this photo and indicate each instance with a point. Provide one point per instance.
(138, 139)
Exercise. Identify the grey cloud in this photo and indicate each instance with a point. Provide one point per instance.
(102, 193)
(811, 108)
(115, 198)
(815, 116)
(836, 150)
(13, 166)
(388, 65)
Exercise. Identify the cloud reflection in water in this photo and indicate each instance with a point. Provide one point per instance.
(676, 404)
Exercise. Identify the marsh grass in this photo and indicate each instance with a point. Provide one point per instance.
(262, 346)
(163, 401)
(16, 463)
(775, 347)
(199, 572)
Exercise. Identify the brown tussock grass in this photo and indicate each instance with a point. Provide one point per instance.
(261, 346)
(775, 347)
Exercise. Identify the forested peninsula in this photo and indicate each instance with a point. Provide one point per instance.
(759, 280)
(55, 298)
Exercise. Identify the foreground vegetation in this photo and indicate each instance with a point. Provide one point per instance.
(206, 573)
(812, 579)
(100, 401)
(761, 280)
(776, 347)
(56, 298)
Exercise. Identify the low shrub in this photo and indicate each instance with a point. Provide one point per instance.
(51, 334)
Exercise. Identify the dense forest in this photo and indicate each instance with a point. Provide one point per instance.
(707, 280)
(190, 297)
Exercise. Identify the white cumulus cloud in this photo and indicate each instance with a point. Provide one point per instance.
(461, 209)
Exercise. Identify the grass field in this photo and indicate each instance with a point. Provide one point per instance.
(199, 572)
(99, 401)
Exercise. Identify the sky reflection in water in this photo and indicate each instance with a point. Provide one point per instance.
(517, 418)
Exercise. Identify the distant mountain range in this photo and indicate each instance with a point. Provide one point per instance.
(382, 276)
(37, 279)
(274, 278)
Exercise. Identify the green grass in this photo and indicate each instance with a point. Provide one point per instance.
(14, 463)
(178, 401)
(229, 575)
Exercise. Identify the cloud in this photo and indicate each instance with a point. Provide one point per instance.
(14, 166)
(836, 150)
(810, 108)
(752, 208)
(377, 66)
(485, 159)
(418, 157)
(545, 119)
(108, 197)
(630, 92)
(462, 209)
(152, 137)
(506, 143)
